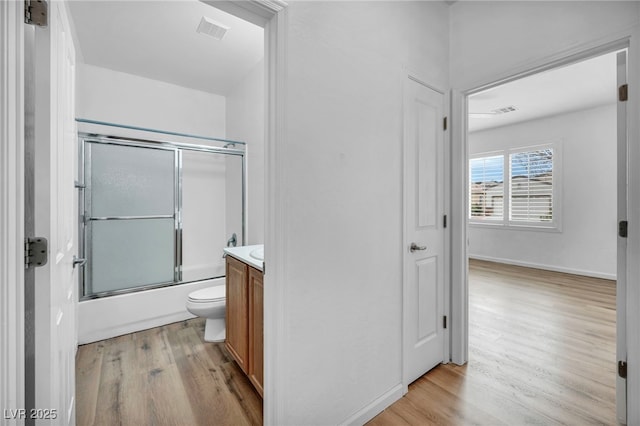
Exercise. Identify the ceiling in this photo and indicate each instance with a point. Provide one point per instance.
(574, 87)
(158, 40)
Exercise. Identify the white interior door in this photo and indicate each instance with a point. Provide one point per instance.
(621, 285)
(55, 218)
(424, 234)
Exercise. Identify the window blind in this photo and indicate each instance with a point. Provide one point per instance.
(486, 188)
(531, 186)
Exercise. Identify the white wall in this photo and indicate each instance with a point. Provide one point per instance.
(245, 122)
(339, 359)
(494, 40)
(121, 98)
(110, 96)
(586, 243)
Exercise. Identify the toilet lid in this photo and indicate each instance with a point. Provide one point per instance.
(208, 294)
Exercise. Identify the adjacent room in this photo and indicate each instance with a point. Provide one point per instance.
(170, 116)
(542, 242)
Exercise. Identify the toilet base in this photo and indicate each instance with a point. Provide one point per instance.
(214, 330)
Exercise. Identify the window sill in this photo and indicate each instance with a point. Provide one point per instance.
(516, 227)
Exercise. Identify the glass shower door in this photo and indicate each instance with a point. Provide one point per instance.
(130, 217)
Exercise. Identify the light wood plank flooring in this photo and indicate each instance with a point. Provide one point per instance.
(163, 376)
(541, 352)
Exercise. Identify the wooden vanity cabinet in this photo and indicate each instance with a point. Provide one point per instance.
(256, 331)
(237, 313)
(244, 319)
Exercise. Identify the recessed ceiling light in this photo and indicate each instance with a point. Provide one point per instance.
(212, 28)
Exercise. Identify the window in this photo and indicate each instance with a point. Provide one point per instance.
(530, 188)
(486, 196)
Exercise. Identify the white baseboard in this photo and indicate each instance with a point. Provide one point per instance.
(554, 268)
(376, 407)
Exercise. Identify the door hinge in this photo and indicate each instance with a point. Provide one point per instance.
(623, 93)
(623, 228)
(444, 321)
(35, 252)
(444, 123)
(444, 221)
(622, 369)
(264, 268)
(36, 12)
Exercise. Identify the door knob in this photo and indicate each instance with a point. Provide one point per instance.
(78, 261)
(415, 247)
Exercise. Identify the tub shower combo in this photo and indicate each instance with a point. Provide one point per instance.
(156, 211)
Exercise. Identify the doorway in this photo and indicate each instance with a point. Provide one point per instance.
(526, 199)
(262, 15)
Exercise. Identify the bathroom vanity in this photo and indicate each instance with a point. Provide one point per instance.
(244, 314)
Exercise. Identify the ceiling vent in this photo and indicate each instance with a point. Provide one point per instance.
(504, 110)
(212, 28)
(493, 112)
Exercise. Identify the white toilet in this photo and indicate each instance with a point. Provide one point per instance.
(210, 303)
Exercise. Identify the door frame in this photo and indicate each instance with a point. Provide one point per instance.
(272, 15)
(12, 207)
(459, 246)
(408, 74)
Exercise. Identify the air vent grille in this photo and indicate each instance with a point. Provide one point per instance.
(504, 110)
(212, 28)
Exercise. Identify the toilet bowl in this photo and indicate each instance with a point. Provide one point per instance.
(210, 303)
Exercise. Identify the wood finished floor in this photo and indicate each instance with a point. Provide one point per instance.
(163, 376)
(541, 349)
(541, 352)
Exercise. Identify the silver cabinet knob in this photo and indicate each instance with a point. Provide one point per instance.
(415, 247)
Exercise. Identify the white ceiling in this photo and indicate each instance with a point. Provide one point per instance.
(158, 40)
(575, 87)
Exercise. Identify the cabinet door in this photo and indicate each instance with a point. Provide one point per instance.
(237, 321)
(256, 320)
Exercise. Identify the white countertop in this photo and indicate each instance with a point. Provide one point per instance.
(243, 254)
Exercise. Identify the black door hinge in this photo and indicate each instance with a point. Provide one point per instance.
(36, 12)
(444, 321)
(444, 123)
(623, 93)
(622, 369)
(623, 228)
(35, 252)
(444, 221)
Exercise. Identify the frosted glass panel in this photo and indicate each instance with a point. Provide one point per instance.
(203, 215)
(131, 181)
(131, 253)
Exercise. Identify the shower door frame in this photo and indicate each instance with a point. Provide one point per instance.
(84, 185)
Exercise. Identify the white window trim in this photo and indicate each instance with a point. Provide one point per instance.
(556, 224)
